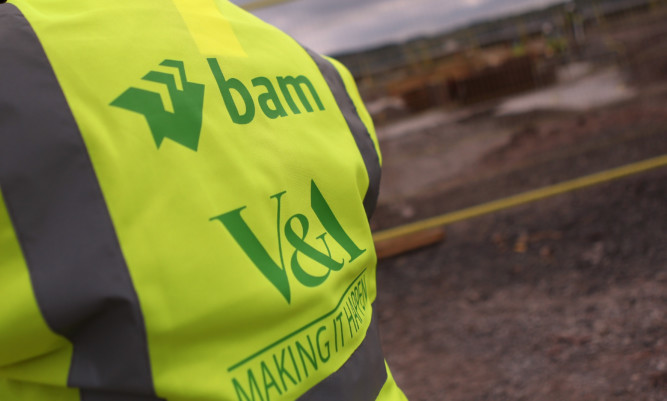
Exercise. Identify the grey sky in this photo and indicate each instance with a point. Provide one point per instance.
(336, 25)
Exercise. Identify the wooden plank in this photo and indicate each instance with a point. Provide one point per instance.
(409, 242)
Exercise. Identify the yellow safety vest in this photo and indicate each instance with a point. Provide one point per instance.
(183, 213)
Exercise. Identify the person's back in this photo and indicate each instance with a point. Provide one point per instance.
(185, 194)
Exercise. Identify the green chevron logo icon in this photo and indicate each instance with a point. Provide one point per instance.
(177, 116)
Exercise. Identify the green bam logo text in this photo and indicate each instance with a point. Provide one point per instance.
(296, 230)
(178, 115)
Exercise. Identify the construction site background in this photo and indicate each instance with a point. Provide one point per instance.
(490, 60)
(560, 113)
(561, 299)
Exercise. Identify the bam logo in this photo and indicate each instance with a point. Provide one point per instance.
(182, 124)
(177, 114)
(296, 230)
(268, 100)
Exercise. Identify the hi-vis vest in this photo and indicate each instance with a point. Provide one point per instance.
(185, 194)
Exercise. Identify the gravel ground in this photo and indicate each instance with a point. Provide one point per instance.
(563, 299)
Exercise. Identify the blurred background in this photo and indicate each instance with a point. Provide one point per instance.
(475, 101)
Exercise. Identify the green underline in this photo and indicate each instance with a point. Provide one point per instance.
(268, 347)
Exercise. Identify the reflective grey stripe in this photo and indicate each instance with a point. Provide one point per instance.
(78, 272)
(360, 379)
(357, 127)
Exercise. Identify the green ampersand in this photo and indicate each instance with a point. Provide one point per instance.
(274, 270)
(300, 245)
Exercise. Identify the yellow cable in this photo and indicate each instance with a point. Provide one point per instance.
(526, 197)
